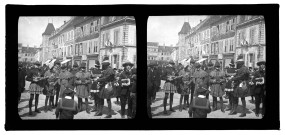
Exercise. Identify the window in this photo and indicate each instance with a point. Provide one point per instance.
(116, 37)
(252, 34)
(233, 24)
(225, 48)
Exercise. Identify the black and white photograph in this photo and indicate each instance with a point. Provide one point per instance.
(207, 66)
(77, 67)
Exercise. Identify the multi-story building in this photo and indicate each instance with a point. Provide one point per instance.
(87, 41)
(28, 54)
(250, 39)
(152, 51)
(182, 45)
(45, 42)
(223, 40)
(164, 53)
(118, 39)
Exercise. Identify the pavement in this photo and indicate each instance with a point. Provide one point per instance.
(23, 108)
(157, 109)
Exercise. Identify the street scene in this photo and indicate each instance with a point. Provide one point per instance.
(206, 66)
(77, 67)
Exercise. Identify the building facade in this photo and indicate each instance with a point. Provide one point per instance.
(250, 39)
(224, 38)
(118, 40)
(28, 54)
(152, 51)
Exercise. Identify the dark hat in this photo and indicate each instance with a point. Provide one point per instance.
(200, 88)
(127, 63)
(97, 63)
(192, 60)
(63, 66)
(106, 61)
(37, 63)
(232, 63)
(197, 65)
(217, 64)
(260, 63)
(75, 64)
(68, 91)
(83, 65)
(171, 62)
(240, 58)
(210, 64)
(57, 62)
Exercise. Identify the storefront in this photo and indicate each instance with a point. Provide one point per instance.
(213, 58)
(77, 59)
(227, 59)
(91, 60)
(69, 63)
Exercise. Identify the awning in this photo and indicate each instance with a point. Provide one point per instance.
(65, 61)
(47, 62)
(201, 60)
(51, 63)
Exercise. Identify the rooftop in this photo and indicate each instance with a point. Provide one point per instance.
(185, 28)
(152, 43)
(49, 29)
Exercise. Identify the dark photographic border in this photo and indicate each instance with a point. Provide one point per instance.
(141, 13)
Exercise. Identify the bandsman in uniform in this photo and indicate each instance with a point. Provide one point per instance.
(125, 81)
(200, 77)
(260, 91)
(132, 104)
(169, 86)
(67, 107)
(217, 78)
(151, 85)
(57, 86)
(95, 73)
(241, 85)
(229, 89)
(108, 76)
(50, 88)
(186, 80)
(191, 74)
(21, 80)
(35, 90)
(82, 81)
(64, 78)
(200, 106)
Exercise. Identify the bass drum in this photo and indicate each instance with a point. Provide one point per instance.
(108, 91)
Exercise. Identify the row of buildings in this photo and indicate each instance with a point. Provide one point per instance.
(158, 52)
(90, 38)
(223, 38)
(28, 54)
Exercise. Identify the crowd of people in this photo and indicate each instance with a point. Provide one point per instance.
(60, 83)
(199, 80)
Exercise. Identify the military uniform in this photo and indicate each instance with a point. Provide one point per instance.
(67, 107)
(217, 78)
(65, 77)
(150, 86)
(95, 73)
(229, 88)
(108, 76)
(259, 77)
(241, 85)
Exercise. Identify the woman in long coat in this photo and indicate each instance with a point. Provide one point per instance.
(217, 78)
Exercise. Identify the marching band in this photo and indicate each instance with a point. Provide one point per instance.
(199, 80)
(64, 82)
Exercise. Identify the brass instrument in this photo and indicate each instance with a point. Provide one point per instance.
(126, 82)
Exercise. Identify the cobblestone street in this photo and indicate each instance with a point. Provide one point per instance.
(23, 109)
(157, 109)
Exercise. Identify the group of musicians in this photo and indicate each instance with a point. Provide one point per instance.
(201, 80)
(64, 82)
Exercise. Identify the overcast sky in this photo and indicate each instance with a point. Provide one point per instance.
(30, 29)
(164, 29)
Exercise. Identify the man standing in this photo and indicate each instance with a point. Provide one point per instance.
(169, 86)
(34, 89)
(230, 73)
(65, 77)
(260, 88)
(82, 81)
(241, 89)
(217, 78)
(150, 85)
(67, 107)
(108, 76)
(192, 81)
(21, 80)
(132, 104)
(125, 80)
(95, 74)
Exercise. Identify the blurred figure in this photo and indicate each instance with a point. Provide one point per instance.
(67, 107)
